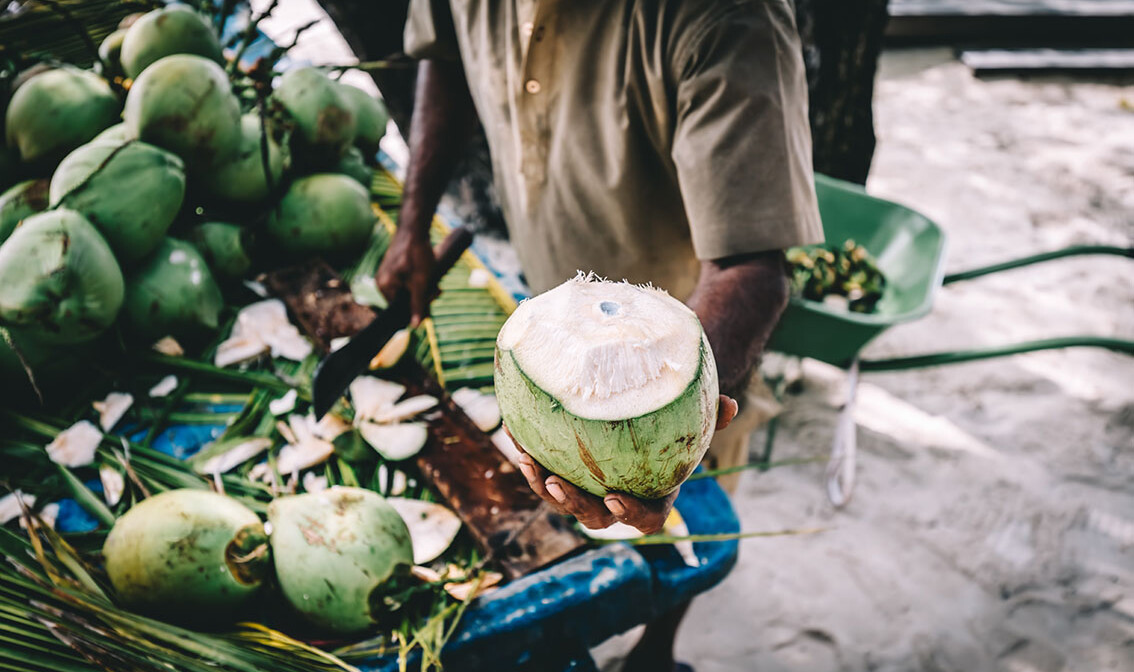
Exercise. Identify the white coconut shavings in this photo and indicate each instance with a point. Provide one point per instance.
(464, 590)
(614, 532)
(392, 352)
(285, 404)
(313, 483)
(111, 409)
(404, 410)
(479, 277)
(164, 387)
(395, 442)
(48, 515)
(507, 446)
(432, 527)
(169, 346)
(10, 505)
(262, 327)
(308, 444)
(339, 342)
(235, 456)
(397, 482)
(481, 408)
(113, 484)
(371, 395)
(76, 445)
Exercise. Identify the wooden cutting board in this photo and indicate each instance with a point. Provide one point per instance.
(489, 494)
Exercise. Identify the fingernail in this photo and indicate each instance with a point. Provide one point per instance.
(529, 473)
(615, 506)
(556, 491)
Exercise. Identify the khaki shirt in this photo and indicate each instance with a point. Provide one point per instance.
(634, 137)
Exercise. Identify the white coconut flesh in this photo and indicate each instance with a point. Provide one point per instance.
(404, 410)
(262, 327)
(164, 387)
(392, 352)
(371, 396)
(610, 385)
(113, 484)
(112, 409)
(432, 527)
(395, 442)
(235, 456)
(481, 408)
(76, 445)
(10, 508)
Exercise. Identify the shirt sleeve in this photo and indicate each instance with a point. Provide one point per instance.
(742, 143)
(429, 32)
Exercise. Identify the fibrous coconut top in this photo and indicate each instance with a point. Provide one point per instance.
(605, 350)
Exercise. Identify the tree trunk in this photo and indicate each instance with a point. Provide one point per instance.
(841, 43)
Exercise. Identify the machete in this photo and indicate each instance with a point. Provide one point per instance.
(335, 373)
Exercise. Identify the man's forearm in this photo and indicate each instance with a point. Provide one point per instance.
(443, 120)
(739, 300)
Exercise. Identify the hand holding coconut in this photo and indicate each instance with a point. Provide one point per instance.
(612, 388)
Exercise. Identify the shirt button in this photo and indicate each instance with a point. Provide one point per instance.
(532, 86)
(527, 28)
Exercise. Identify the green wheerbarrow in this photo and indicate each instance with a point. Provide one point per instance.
(909, 249)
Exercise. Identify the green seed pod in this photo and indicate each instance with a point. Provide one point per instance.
(242, 179)
(56, 111)
(21, 201)
(182, 103)
(172, 294)
(334, 553)
(59, 280)
(131, 192)
(224, 248)
(323, 115)
(187, 554)
(176, 29)
(325, 214)
(371, 118)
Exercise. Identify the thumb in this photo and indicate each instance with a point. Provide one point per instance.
(726, 411)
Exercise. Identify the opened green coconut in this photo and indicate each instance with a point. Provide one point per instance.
(243, 179)
(110, 55)
(609, 385)
(21, 201)
(224, 247)
(326, 214)
(176, 29)
(370, 119)
(59, 280)
(131, 192)
(183, 103)
(187, 554)
(172, 294)
(323, 116)
(335, 552)
(353, 166)
(56, 111)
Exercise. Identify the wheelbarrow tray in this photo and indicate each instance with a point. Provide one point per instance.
(909, 249)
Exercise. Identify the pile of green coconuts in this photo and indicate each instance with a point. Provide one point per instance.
(131, 197)
(200, 557)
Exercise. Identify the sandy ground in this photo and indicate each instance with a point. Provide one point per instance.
(993, 522)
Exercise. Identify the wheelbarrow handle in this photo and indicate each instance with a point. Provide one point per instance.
(1073, 251)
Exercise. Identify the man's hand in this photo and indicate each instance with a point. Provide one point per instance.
(408, 266)
(648, 515)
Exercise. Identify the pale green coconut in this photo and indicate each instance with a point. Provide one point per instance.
(115, 135)
(352, 165)
(335, 552)
(56, 111)
(130, 191)
(370, 119)
(183, 103)
(21, 201)
(243, 179)
(326, 214)
(187, 554)
(323, 116)
(59, 280)
(110, 55)
(609, 385)
(224, 247)
(172, 294)
(176, 29)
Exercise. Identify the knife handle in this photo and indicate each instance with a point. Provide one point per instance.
(449, 251)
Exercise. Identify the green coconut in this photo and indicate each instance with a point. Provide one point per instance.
(187, 554)
(323, 116)
(609, 385)
(353, 166)
(326, 214)
(224, 248)
(183, 103)
(131, 192)
(21, 201)
(110, 55)
(243, 179)
(335, 554)
(176, 29)
(172, 293)
(115, 135)
(370, 118)
(59, 280)
(56, 111)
